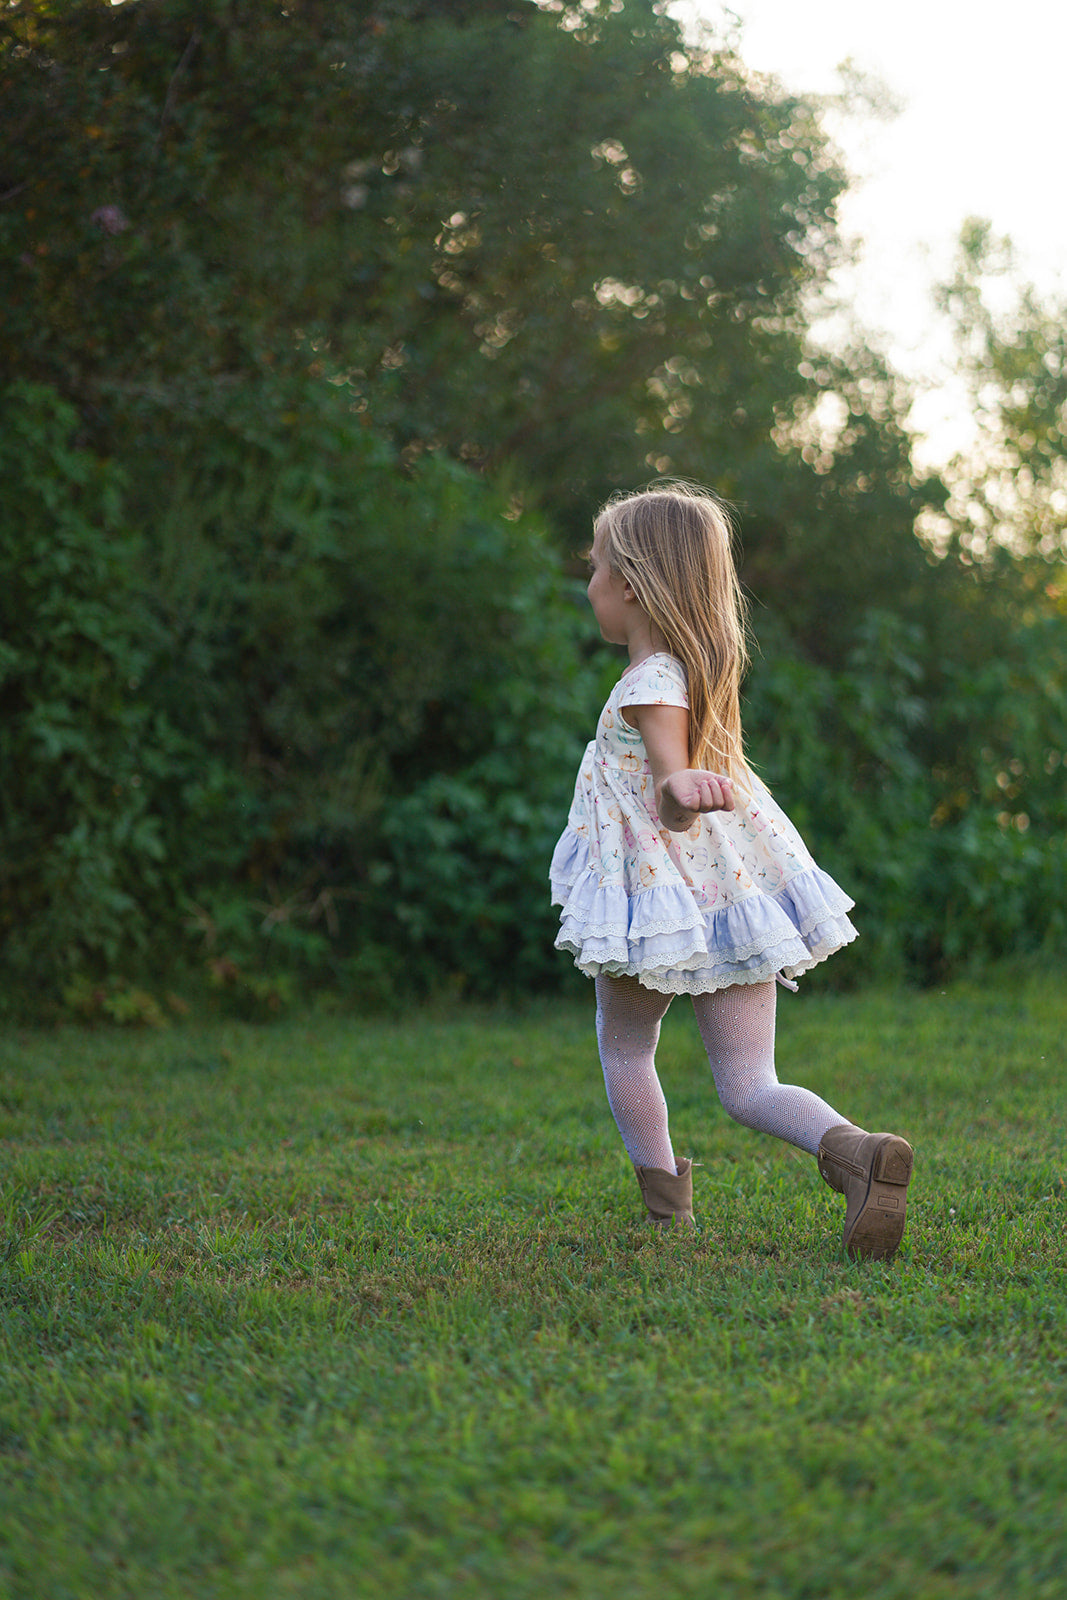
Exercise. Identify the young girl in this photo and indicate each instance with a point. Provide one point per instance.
(678, 874)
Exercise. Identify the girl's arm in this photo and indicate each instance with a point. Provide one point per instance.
(681, 790)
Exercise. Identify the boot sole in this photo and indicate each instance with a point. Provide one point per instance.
(879, 1224)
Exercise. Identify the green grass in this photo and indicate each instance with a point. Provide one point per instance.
(348, 1308)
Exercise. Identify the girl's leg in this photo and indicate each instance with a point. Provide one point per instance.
(737, 1027)
(628, 1019)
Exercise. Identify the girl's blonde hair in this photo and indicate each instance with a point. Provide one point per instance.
(672, 544)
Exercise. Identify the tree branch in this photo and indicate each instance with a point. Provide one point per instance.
(194, 40)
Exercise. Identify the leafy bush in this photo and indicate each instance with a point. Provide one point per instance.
(83, 752)
(465, 855)
(932, 789)
(230, 665)
(273, 707)
(347, 636)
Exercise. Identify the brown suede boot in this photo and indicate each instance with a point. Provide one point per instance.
(668, 1196)
(872, 1171)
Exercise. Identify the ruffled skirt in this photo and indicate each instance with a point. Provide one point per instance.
(661, 936)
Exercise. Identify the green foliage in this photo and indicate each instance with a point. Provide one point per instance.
(221, 745)
(82, 850)
(464, 866)
(564, 244)
(112, 1002)
(355, 637)
(1000, 828)
(838, 749)
(1009, 492)
(935, 796)
(292, 695)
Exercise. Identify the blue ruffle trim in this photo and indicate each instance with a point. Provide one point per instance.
(661, 936)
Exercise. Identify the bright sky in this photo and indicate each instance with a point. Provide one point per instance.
(981, 133)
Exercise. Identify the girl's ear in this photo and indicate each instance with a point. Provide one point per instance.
(628, 592)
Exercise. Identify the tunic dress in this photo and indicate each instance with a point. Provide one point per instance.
(736, 899)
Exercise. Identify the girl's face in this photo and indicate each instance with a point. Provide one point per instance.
(610, 596)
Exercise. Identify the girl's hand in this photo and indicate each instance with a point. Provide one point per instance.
(681, 791)
(685, 793)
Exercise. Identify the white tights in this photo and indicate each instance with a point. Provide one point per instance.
(737, 1029)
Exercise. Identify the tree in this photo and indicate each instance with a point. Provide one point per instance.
(1009, 494)
(330, 297)
(555, 241)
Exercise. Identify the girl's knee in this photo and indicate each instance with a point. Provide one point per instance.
(736, 1106)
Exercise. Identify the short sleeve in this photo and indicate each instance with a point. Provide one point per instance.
(657, 681)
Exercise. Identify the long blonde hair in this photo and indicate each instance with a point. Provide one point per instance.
(672, 544)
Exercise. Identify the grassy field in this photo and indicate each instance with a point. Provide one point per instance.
(348, 1308)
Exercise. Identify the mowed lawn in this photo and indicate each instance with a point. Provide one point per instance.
(338, 1307)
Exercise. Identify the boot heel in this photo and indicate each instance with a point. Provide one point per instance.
(872, 1171)
(893, 1162)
